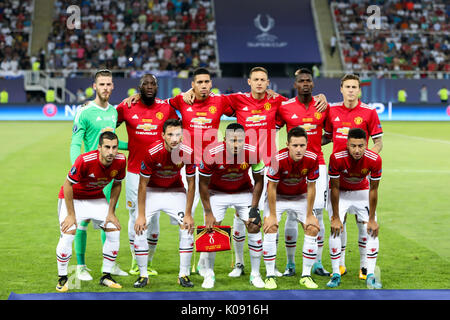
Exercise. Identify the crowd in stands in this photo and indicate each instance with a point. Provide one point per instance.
(149, 35)
(412, 36)
(15, 34)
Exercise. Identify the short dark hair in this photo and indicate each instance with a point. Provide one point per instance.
(234, 126)
(200, 71)
(102, 72)
(172, 123)
(297, 132)
(148, 75)
(350, 76)
(107, 135)
(256, 69)
(356, 133)
(302, 71)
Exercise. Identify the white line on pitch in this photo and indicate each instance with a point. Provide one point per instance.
(418, 138)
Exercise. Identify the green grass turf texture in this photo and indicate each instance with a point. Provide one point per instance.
(413, 213)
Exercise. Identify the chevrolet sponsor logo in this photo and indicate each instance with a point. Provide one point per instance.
(147, 127)
(256, 118)
(343, 131)
(201, 120)
(308, 126)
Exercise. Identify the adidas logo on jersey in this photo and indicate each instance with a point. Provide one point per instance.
(337, 119)
(294, 116)
(189, 109)
(99, 119)
(245, 109)
(135, 117)
(92, 175)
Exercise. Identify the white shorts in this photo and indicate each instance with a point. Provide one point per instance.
(292, 205)
(197, 190)
(220, 202)
(131, 189)
(353, 202)
(321, 188)
(172, 203)
(89, 209)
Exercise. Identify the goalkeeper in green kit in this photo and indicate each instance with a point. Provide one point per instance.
(91, 120)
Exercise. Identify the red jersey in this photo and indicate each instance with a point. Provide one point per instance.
(229, 173)
(260, 116)
(144, 127)
(158, 165)
(201, 121)
(89, 176)
(341, 119)
(293, 113)
(292, 176)
(353, 174)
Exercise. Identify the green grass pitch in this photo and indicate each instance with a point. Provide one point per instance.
(413, 212)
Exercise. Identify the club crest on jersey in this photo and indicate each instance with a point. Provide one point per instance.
(159, 115)
(364, 171)
(244, 166)
(304, 172)
(212, 109)
(318, 115)
(114, 173)
(267, 106)
(358, 120)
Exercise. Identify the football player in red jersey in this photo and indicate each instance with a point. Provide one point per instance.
(144, 122)
(161, 188)
(82, 198)
(354, 174)
(225, 182)
(352, 113)
(301, 111)
(291, 188)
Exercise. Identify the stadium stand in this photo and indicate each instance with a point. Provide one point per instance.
(412, 41)
(164, 35)
(15, 27)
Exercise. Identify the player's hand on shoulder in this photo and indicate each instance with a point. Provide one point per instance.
(131, 99)
(321, 102)
(189, 96)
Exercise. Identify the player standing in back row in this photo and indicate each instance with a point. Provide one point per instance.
(301, 111)
(144, 122)
(352, 113)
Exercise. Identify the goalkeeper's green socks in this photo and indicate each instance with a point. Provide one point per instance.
(80, 242)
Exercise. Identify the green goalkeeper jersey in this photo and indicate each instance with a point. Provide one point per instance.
(90, 121)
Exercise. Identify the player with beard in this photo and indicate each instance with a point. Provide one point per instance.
(144, 123)
(91, 120)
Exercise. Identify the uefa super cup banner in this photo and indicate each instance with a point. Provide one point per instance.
(266, 31)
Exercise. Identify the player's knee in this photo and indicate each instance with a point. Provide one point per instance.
(312, 231)
(272, 229)
(253, 228)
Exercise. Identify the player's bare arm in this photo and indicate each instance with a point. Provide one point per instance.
(70, 220)
(188, 220)
(111, 217)
(377, 144)
(311, 222)
(270, 222)
(372, 225)
(210, 221)
(140, 225)
(336, 224)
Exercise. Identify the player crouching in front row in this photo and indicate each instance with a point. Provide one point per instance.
(351, 192)
(291, 188)
(81, 198)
